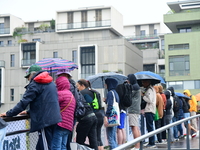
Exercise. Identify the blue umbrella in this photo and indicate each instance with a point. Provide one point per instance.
(97, 81)
(151, 74)
(182, 95)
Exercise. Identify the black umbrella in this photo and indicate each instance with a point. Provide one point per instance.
(141, 77)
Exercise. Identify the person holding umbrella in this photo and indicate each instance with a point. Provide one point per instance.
(150, 97)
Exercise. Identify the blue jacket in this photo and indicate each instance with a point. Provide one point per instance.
(41, 95)
(111, 85)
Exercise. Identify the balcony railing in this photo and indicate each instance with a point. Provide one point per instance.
(28, 62)
(80, 25)
(142, 37)
(5, 31)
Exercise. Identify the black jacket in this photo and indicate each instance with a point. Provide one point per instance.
(41, 95)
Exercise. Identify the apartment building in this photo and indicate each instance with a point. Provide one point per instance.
(182, 47)
(91, 37)
(149, 38)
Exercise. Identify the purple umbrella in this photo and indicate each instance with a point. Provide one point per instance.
(53, 64)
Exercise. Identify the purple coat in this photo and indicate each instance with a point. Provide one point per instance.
(66, 98)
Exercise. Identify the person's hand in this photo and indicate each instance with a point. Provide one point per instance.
(23, 113)
(105, 121)
(3, 114)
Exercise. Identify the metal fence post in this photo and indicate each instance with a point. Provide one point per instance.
(169, 139)
(187, 139)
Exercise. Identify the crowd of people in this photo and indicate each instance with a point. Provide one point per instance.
(52, 107)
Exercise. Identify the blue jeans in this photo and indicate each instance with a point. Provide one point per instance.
(149, 123)
(111, 135)
(2, 136)
(60, 137)
(175, 128)
(180, 129)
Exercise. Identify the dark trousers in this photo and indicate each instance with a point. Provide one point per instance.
(45, 138)
(163, 123)
(100, 119)
(158, 125)
(149, 123)
(87, 128)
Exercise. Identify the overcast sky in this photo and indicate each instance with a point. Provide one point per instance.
(133, 11)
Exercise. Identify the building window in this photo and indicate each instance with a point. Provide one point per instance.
(98, 14)
(38, 39)
(178, 47)
(155, 31)
(179, 65)
(177, 85)
(12, 60)
(184, 30)
(142, 33)
(87, 55)
(29, 54)
(84, 19)
(1, 28)
(9, 42)
(1, 43)
(163, 44)
(55, 54)
(11, 94)
(74, 56)
(197, 84)
(70, 20)
(150, 67)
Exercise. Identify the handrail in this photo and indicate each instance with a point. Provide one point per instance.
(143, 137)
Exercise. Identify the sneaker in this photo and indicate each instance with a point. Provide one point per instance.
(176, 140)
(145, 144)
(194, 134)
(150, 146)
(190, 137)
(181, 136)
(135, 148)
(197, 134)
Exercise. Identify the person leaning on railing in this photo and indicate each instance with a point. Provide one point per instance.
(41, 95)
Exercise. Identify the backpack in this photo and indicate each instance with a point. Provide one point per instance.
(80, 101)
(125, 94)
(176, 105)
(96, 103)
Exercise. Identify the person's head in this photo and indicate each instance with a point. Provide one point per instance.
(187, 93)
(32, 71)
(156, 89)
(62, 83)
(64, 72)
(132, 79)
(160, 87)
(82, 84)
(171, 90)
(146, 83)
(111, 83)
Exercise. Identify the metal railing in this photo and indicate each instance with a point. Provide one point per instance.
(80, 25)
(167, 127)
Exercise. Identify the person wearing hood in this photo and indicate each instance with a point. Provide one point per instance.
(150, 97)
(42, 98)
(168, 108)
(134, 109)
(67, 104)
(111, 85)
(193, 109)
